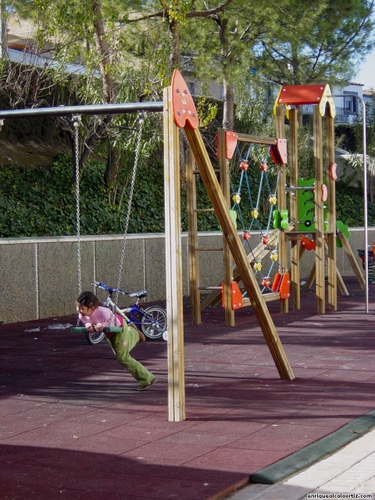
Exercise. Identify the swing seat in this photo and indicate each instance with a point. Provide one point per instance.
(106, 329)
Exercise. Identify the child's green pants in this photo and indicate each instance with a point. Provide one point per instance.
(122, 343)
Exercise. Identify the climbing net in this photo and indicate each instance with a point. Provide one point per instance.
(254, 185)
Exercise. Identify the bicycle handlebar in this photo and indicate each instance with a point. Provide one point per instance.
(98, 284)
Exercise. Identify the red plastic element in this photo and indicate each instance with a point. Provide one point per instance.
(266, 282)
(307, 243)
(324, 193)
(265, 240)
(244, 165)
(276, 282)
(279, 152)
(301, 94)
(236, 295)
(284, 287)
(246, 235)
(332, 171)
(230, 144)
(264, 166)
(184, 111)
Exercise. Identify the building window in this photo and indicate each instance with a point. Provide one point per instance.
(351, 105)
(191, 87)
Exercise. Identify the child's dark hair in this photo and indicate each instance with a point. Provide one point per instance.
(88, 299)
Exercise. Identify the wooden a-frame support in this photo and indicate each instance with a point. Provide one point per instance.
(184, 114)
(180, 112)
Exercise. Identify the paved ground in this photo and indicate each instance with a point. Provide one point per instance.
(351, 470)
(72, 426)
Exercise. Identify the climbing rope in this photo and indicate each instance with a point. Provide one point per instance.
(244, 184)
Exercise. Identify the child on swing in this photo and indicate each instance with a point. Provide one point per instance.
(94, 316)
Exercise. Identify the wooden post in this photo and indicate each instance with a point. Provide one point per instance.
(227, 256)
(173, 260)
(239, 255)
(191, 198)
(295, 274)
(319, 213)
(331, 205)
(281, 202)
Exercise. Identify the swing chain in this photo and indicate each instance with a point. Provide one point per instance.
(141, 120)
(76, 119)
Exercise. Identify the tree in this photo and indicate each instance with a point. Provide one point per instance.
(84, 32)
(240, 45)
(317, 41)
(355, 159)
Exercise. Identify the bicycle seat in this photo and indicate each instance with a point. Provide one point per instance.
(140, 294)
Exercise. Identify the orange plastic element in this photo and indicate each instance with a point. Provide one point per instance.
(279, 152)
(265, 240)
(324, 193)
(307, 243)
(236, 295)
(276, 282)
(308, 94)
(244, 165)
(184, 111)
(284, 287)
(264, 166)
(332, 171)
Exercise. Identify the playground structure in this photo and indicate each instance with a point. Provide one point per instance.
(269, 240)
(309, 224)
(179, 113)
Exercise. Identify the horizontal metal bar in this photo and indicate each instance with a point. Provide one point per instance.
(85, 109)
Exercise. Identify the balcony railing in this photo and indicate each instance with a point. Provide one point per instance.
(342, 115)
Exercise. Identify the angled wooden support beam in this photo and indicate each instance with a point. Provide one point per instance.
(356, 268)
(185, 116)
(239, 255)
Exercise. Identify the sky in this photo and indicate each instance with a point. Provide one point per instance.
(366, 74)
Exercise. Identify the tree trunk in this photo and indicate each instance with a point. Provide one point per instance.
(174, 55)
(103, 50)
(228, 98)
(228, 110)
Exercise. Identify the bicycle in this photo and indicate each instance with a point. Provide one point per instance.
(151, 320)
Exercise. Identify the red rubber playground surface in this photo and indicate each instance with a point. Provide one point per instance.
(72, 425)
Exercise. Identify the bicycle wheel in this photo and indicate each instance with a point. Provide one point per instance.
(94, 338)
(154, 322)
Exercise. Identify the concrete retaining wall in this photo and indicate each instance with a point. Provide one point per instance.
(40, 279)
